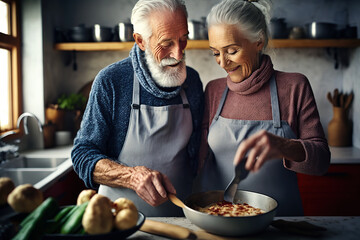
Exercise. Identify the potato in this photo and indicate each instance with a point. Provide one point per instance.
(126, 218)
(123, 203)
(6, 186)
(85, 196)
(98, 217)
(25, 198)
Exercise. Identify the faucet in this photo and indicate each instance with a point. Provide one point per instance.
(25, 117)
(8, 150)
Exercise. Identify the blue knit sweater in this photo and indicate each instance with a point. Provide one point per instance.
(106, 118)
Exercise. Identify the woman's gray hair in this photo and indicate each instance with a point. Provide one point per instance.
(251, 17)
(143, 8)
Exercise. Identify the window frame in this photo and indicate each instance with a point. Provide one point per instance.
(12, 42)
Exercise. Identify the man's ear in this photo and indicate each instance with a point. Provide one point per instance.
(139, 41)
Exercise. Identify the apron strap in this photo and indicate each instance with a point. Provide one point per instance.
(274, 102)
(221, 104)
(136, 93)
(184, 99)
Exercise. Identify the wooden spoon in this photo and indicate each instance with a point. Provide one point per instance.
(336, 97)
(330, 98)
(175, 200)
(348, 100)
(342, 97)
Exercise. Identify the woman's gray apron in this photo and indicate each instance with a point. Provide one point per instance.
(157, 138)
(273, 179)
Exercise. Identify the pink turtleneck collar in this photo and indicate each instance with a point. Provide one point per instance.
(256, 80)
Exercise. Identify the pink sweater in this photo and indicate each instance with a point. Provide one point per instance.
(250, 100)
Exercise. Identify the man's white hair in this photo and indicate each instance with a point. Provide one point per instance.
(143, 8)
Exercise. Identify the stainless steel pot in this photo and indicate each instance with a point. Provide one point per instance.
(321, 30)
(80, 34)
(195, 30)
(101, 33)
(231, 226)
(125, 32)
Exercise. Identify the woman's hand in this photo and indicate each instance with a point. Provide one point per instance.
(264, 146)
(152, 186)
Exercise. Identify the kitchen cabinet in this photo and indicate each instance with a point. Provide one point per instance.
(204, 44)
(66, 189)
(337, 193)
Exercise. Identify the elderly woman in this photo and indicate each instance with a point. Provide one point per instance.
(266, 118)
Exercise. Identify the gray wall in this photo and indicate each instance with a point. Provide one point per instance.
(316, 63)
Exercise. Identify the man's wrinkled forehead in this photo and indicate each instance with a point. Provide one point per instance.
(166, 21)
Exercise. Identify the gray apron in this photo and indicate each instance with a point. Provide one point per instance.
(157, 138)
(273, 179)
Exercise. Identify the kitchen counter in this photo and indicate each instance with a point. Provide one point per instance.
(348, 155)
(345, 155)
(62, 170)
(61, 152)
(336, 228)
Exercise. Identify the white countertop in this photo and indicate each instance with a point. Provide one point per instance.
(62, 151)
(336, 228)
(345, 155)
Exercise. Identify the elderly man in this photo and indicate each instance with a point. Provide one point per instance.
(140, 132)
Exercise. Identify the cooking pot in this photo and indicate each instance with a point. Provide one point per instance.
(320, 30)
(195, 30)
(278, 28)
(80, 34)
(230, 226)
(101, 33)
(125, 30)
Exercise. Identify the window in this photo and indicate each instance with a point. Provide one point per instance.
(9, 65)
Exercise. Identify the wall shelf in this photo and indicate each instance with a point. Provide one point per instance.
(204, 44)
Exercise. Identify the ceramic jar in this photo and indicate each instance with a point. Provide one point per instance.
(340, 129)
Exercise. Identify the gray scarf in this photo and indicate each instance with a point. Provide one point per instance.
(143, 74)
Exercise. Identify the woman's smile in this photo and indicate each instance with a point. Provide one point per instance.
(231, 70)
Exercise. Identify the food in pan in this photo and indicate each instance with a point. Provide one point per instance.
(228, 209)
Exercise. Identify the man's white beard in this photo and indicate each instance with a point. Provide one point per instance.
(166, 76)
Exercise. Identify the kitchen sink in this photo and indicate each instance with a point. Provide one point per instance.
(38, 171)
(32, 162)
(22, 176)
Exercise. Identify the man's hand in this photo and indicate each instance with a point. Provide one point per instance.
(152, 186)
